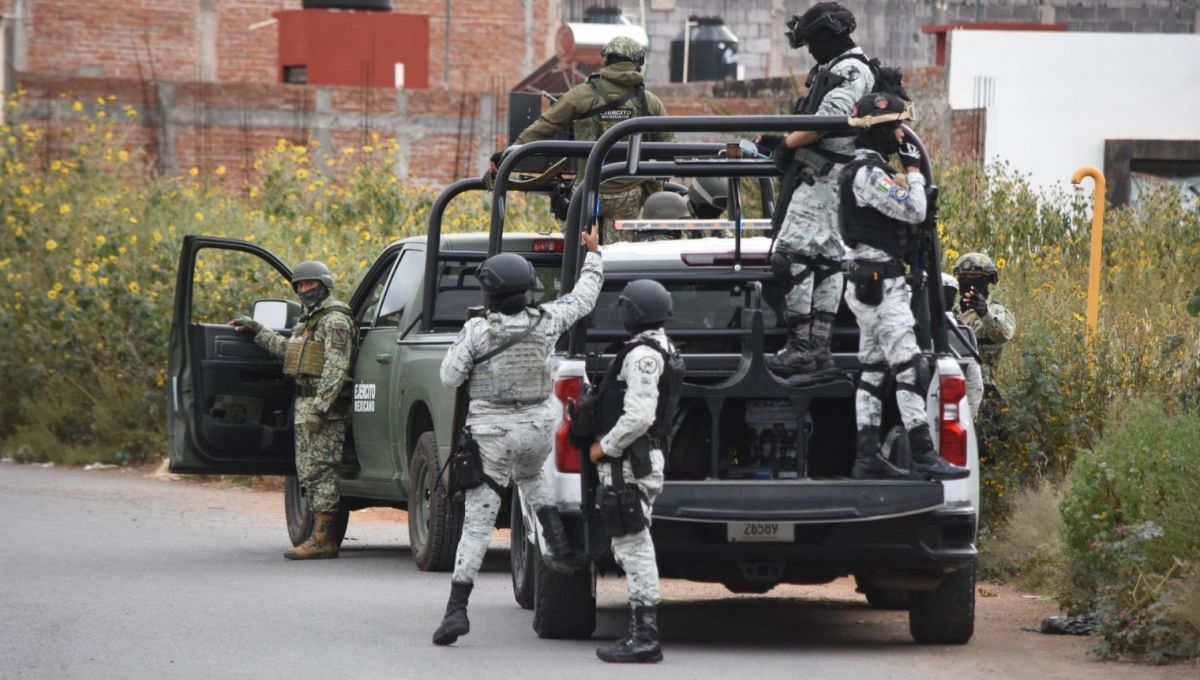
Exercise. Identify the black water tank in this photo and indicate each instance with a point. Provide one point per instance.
(371, 5)
(712, 52)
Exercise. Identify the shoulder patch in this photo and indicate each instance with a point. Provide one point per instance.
(648, 364)
(339, 338)
(898, 193)
(851, 74)
(884, 185)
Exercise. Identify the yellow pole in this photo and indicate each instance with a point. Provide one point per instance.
(1093, 302)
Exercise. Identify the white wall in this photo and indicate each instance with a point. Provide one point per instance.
(1058, 96)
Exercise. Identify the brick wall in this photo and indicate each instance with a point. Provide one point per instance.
(442, 135)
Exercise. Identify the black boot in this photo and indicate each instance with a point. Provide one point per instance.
(870, 463)
(796, 355)
(640, 645)
(556, 539)
(926, 463)
(455, 623)
(820, 338)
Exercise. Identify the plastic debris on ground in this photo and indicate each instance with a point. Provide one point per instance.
(1069, 625)
(100, 466)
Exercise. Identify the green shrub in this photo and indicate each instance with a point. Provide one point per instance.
(1028, 550)
(1132, 529)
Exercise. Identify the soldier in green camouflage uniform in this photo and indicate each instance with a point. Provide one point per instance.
(318, 354)
(616, 93)
(993, 324)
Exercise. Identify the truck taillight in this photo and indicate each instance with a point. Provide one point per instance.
(566, 456)
(953, 439)
(548, 245)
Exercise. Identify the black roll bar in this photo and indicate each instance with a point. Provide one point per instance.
(433, 240)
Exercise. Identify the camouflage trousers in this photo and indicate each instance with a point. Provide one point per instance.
(974, 377)
(511, 451)
(318, 455)
(810, 228)
(886, 338)
(634, 553)
(626, 205)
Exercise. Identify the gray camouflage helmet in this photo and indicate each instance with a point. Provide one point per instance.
(644, 302)
(665, 205)
(709, 197)
(949, 282)
(311, 270)
(976, 264)
(623, 47)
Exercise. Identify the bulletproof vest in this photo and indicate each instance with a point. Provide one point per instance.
(864, 224)
(612, 391)
(519, 374)
(600, 118)
(304, 355)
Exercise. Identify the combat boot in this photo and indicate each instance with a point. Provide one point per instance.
(796, 355)
(870, 463)
(320, 544)
(926, 463)
(820, 338)
(556, 538)
(640, 645)
(454, 623)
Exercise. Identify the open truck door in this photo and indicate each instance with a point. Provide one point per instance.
(229, 404)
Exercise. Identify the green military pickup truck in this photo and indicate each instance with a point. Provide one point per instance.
(230, 409)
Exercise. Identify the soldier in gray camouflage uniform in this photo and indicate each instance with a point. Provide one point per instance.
(510, 415)
(877, 209)
(318, 354)
(808, 252)
(644, 306)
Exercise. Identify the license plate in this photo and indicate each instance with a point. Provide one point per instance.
(761, 532)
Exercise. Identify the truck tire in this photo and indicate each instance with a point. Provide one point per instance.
(300, 517)
(564, 607)
(523, 556)
(946, 615)
(434, 518)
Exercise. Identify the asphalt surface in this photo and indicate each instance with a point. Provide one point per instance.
(110, 575)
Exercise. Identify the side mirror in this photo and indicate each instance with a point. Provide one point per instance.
(276, 313)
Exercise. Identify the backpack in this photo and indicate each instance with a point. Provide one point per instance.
(822, 80)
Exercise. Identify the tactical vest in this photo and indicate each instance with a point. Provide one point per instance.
(600, 118)
(519, 375)
(611, 403)
(864, 224)
(303, 355)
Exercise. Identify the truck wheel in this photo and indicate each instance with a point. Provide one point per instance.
(945, 616)
(300, 516)
(434, 519)
(522, 556)
(564, 607)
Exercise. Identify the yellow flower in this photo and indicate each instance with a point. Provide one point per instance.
(100, 101)
(52, 294)
(194, 171)
(100, 345)
(1000, 262)
(133, 286)
(122, 155)
(64, 209)
(199, 216)
(302, 173)
(100, 240)
(1078, 317)
(133, 220)
(77, 106)
(93, 267)
(220, 170)
(77, 262)
(158, 236)
(122, 250)
(104, 282)
(51, 244)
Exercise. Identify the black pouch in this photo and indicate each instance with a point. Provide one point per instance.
(608, 505)
(868, 284)
(466, 464)
(619, 505)
(639, 457)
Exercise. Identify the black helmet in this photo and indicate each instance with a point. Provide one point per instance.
(644, 303)
(831, 16)
(709, 197)
(665, 205)
(880, 107)
(506, 273)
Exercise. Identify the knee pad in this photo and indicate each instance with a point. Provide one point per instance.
(920, 365)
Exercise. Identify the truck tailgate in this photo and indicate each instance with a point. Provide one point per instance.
(794, 500)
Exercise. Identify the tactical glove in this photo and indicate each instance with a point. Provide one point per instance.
(245, 323)
(314, 422)
(783, 156)
(910, 155)
(976, 303)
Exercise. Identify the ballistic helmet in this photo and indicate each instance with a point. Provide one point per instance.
(976, 265)
(623, 48)
(311, 270)
(643, 303)
(877, 108)
(506, 273)
(831, 16)
(709, 196)
(665, 205)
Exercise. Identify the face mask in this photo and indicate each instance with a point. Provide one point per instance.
(825, 45)
(509, 304)
(881, 138)
(314, 296)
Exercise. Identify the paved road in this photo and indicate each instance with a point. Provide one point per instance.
(110, 575)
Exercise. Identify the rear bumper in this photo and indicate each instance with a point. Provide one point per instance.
(795, 501)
